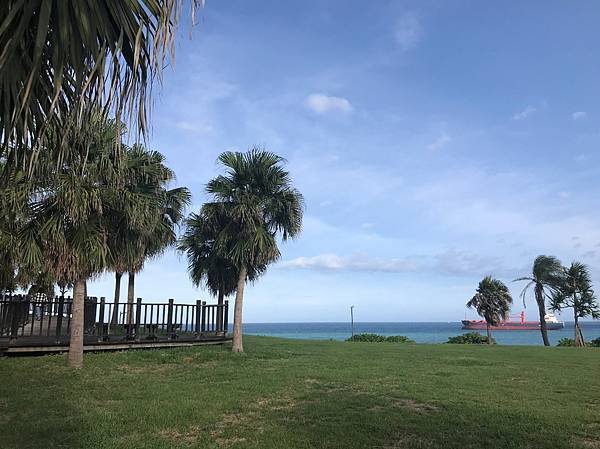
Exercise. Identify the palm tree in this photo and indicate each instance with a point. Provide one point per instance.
(492, 302)
(206, 265)
(545, 278)
(66, 230)
(158, 210)
(63, 235)
(161, 234)
(576, 292)
(257, 196)
(79, 56)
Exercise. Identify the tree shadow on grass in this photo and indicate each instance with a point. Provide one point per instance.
(335, 416)
(38, 417)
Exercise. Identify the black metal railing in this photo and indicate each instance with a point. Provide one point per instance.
(23, 316)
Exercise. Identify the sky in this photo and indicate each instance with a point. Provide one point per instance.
(434, 143)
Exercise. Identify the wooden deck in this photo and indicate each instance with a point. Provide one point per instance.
(32, 347)
(30, 326)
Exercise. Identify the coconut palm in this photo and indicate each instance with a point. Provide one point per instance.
(63, 235)
(206, 265)
(576, 292)
(159, 234)
(143, 217)
(492, 302)
(79, 56)
(546, 276)
(257, 196)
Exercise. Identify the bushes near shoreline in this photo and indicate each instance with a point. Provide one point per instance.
(376, 338)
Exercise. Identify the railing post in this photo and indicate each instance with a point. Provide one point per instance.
(198, 317)
(15, 309)
(101, 319)
(226, 317)
(138, 318)
(170, 319)
(203, 326)
(219, 326)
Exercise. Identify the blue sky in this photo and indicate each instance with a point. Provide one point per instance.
(434, 142)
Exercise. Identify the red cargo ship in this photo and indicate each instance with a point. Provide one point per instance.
(551, 322)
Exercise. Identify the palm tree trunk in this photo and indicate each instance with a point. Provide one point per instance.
(75, 357)
(578, 334)
(115, 313)
(489, 333)
(130, 296)
(237, 312)
(539, 298)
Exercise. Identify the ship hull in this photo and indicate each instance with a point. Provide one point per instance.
(511, 326)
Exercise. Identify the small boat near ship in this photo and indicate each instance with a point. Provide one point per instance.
(521, 325)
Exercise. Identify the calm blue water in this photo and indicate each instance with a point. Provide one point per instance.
(419, 332)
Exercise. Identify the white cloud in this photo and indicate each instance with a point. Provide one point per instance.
(563, 194)
(579, 115)
(408, 31)
(325, 203)
(440, 142)
(333, 262)
(322, 104)
(527, 112)
(197, 127)
(367, 225)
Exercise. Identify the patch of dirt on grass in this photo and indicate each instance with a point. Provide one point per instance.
(406, 441)
(227, 442)
(589, 443)
(189, 436)
(282, 403)
(411, 404)
(238, 421)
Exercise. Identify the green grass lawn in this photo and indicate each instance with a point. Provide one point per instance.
(306, 394)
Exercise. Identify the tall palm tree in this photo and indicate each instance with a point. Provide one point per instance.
(546, 276)
(63, 235)
(79, 55)
(206, 265)
(158, 210)
(492, 302)
(576, 292)
(159, 234)
(257, 196)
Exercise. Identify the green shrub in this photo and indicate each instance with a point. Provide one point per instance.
(470, 338)
(570, 342)
(398, 339)
(595, 342)
(380, 338)
(566, 342)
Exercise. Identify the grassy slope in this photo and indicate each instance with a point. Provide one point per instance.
(300, 394)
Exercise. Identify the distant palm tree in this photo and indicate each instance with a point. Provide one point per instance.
(67, 56)
(492, 302)
(257, 196)
(576, 292)
(546, 276)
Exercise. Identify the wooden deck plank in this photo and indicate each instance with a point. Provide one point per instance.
(117, 346)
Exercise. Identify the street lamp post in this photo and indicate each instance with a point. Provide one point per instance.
(352, 318)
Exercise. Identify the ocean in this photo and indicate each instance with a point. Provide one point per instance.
(419, 332)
